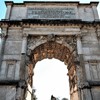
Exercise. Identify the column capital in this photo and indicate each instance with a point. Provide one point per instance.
(83, 85)
(98, 33)
(24, 35)
(79, 35)
(22, 84)
(3, 35)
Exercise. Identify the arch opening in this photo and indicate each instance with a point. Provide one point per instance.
(50, 78)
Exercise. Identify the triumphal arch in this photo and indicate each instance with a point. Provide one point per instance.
(32, 31)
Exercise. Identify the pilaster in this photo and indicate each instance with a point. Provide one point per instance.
(8, 12)
(3, 36)
(23, 56)
(83, 85)
(79, 44)
(24, 43)
(95, 13)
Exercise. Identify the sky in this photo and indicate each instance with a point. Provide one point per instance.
(50, 76)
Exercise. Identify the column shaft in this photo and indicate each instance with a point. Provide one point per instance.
(79, 45)
(23, 58)
(2, 47)
(24, 45)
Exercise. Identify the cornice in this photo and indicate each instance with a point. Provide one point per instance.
(54, 22)
(48, 2)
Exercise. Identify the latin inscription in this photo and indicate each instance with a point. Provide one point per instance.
(51, 13)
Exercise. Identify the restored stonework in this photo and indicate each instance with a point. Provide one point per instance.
(33, 31)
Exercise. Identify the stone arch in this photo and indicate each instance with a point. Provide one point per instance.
(52, 49)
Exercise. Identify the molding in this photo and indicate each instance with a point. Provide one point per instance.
(56, 22)
(9, 3)
(94, 83)
(83, 85)
(8, 82)
(24, 35)
(57, 2)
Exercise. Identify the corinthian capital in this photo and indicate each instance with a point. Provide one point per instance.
(3, 35)
(24, 35)
(98, 34)
(79, 36)
(83, 85)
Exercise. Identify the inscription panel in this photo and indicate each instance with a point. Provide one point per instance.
(51, 13)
